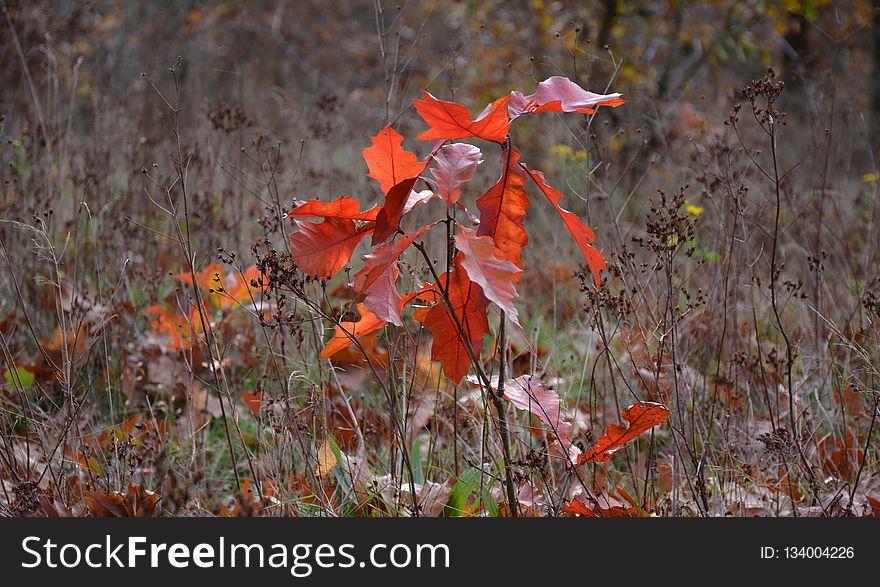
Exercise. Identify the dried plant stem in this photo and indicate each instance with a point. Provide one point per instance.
(481, 374)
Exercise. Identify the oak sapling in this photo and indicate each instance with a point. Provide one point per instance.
(484, 262)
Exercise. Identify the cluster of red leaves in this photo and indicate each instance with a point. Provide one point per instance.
(490, 257)
(220, 291)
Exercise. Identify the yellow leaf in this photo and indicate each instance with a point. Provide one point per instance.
(326, 460)
(693, 210)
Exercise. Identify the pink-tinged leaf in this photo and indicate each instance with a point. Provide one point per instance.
(449, 121)
(417, 199)
(641, 417)
(455, 164)
(469, 304)
(559, 94)
(480, 258)
(581, 233)
(503, 209)
(343, 208)
(384, 256)
(322, 249)
(382, 298)
(389, 162)
(527, 393)
(376, 280)
(388, 219)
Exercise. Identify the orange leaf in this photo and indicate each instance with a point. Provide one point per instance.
(137, 502)
(322, 249)
(469, 304)
(581, 233)
(182, 330)
(503, 209)
(253, 400)
(340, 208)
(389, 162)
(207, 279)
(641, 417)
(480, 258)
(240, 287)
(368, 324)
(448, 120)
(600, 505)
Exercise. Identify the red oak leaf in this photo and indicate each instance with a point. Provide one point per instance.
(383, 256)
(375, 281)
(342, 338)
(559, 94)
(480, 258)
(340, 208)
(388, 219)
(253, 400)
(469, 304)
(581, 233)
(641, 417)
(448, 120)
(591, 504)
(389, 162)
(527, 393)
(455, 164)
(322, 249)
(503, 210)
(368, 324)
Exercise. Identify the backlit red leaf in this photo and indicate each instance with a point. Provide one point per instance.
(368, 324)
(382, 296)
(389, 162)
(641, 417)
(322, 249)
(342, 338)
(383, 256)
(376, 280)
(469, 304)
(340, 208)
(503, 209)
(448, 120)
(581, 233)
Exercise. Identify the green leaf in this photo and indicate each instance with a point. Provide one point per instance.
(415, 458)
(19, 378)
(464, 487)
